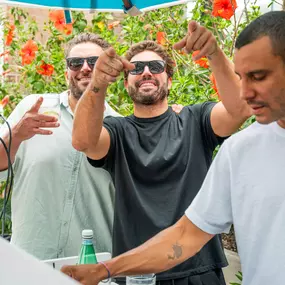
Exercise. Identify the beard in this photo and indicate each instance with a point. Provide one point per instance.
(75, 90)
(148, 96)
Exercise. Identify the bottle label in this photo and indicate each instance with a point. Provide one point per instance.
(87, 241)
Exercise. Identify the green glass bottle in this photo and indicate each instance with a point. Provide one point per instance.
(87, 253)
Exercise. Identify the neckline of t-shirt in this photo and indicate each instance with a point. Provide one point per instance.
(278, 129)
(153, 119)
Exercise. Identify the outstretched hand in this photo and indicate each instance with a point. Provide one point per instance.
(108, 67)
(32, 123)
(198, 38)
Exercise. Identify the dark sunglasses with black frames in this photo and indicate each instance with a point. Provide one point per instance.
(155, 66)
(76, 63)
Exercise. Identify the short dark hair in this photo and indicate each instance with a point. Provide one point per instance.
(151, 46)
(272, 25)
(86, 38)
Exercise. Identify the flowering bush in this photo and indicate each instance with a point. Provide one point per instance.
(40, 65)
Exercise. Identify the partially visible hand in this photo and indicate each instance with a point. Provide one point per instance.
(198, 38)
(32, 123)
(86, 274)
(177, 108)
(108, 67)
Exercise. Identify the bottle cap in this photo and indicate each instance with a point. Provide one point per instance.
(87, 234)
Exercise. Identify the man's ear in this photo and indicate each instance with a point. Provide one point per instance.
(169, 83)
(126, 83)
(66, 76)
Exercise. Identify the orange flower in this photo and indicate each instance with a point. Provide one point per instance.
(203, 62)
(160, 38)
(111, 26)
(224, 8)
(57, 17)
(4, 101)
(10, 35)
(45, 69)
(28, 52)
(213, 80)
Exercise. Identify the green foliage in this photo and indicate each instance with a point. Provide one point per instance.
(190, 83)
(239, 277)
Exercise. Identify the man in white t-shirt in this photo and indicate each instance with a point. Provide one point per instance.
(244, 185)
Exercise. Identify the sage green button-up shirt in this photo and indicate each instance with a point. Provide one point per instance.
(57, 193)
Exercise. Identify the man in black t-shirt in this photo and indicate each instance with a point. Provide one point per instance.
(158, 159)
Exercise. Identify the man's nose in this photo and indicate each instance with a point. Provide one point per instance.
(85, 66)
(247, 91)
(146, 71)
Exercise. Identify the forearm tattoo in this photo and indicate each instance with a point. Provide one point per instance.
(177, 251)
(95, 89)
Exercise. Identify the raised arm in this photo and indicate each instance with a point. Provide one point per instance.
(229, 114)
(164, 251)
(30, 124)
(89, 135)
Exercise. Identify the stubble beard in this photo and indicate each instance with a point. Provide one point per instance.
(148, 97)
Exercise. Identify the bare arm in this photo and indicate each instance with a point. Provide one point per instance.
(89, 135)
(14, 148)
(227, 116)
(164, 251)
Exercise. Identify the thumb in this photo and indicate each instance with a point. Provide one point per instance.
(192, 26)
(127, 65)
(35, 108)
(181, 44)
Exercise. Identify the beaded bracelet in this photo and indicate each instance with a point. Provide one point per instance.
(109, 274)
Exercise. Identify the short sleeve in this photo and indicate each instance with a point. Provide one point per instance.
(112, 125)
(202, 112)
(211, 210)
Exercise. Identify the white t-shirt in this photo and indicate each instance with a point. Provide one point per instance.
(246, 186)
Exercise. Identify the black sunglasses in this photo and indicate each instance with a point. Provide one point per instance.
(76, 63)
(155, 66)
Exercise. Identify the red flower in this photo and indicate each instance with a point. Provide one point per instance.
(224, 8)
(45, 69)
(10, 35)
(213, 80)
(111, 26)
(28, 52)
(57, 17)
(160, 38)
(4, 101)
(203, 62)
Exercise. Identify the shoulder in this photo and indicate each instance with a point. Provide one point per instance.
(109, 111)
(200, 108)
(248, 137)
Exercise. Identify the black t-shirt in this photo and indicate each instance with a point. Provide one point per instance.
(158, 166)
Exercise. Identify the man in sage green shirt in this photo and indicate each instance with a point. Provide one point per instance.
(56, 191)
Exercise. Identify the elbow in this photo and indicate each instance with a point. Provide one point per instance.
(79, 145)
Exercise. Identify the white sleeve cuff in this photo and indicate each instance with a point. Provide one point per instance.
(198, 221)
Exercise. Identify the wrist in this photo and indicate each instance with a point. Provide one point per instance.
(215, 54)
(16, 136)
(105, 273)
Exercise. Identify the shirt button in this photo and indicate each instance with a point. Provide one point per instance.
(65, 223)
(60, 251)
